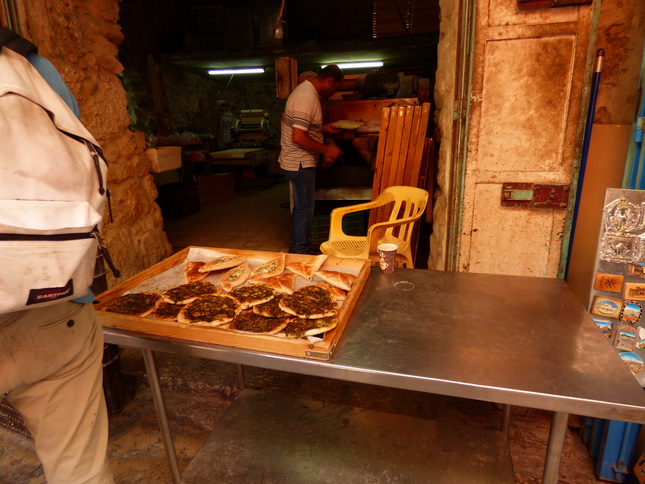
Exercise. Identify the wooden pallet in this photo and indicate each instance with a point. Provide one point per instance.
(169, 272)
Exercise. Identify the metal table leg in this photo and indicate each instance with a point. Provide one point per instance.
(506, 420)
(554, 449)
(240, 377)
(162, 417)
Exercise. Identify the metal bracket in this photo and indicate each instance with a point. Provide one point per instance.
(531, 195)
(318, 354)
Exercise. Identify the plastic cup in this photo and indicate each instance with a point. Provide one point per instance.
(387, 256)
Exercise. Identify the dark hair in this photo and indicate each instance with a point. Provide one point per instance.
(332, 70)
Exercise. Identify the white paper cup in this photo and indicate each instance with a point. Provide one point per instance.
(387, 256)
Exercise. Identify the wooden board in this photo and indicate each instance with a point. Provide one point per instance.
(400, 151)
(167, 270)
(233, 154)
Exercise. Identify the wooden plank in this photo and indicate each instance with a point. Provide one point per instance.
(387, 135)
(416, 161)
(405, 174)
(395, 125)
(398, 146)
(394, 139)
(286, 76)
(282, 77)
(399, 160)
(380, 152)
(293, 64)
(273, 344)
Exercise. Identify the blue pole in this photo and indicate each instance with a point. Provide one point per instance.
(595, 82)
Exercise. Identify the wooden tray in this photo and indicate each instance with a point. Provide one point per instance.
(171, 269)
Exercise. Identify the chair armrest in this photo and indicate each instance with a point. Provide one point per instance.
(336, 218)
(374, 230)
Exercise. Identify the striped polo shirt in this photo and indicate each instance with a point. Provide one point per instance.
(302, 111)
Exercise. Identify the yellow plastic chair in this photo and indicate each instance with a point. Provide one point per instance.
(407, 206)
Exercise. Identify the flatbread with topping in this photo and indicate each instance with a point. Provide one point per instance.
(222, 262)
(271, 309)
(301, 328)
(310, 302)
(235, 277)
(187, 293)
(337, 294)
(210, 310)
(136, 304)
(166, 311)
(305, 268)
(249, 322)
(341, 280)
(192, 273)
(272, 268)
(253, 294)
(347, 124)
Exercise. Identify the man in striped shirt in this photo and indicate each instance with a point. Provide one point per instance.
(302, 143)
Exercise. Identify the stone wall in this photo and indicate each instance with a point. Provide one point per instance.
(444, 95)
(192, 100)
(621, 34)
(80, 38)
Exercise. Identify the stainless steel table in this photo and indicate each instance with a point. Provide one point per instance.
(508, 339)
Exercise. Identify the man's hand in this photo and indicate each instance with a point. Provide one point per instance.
(332, 152)
(329, 128)
(302, 138)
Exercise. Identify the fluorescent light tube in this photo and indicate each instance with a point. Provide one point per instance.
(243, 70)
(357, 65)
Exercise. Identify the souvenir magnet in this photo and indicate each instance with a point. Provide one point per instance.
(635, 291)
(633, 362)
(641, 339)
(606, 306)
(609, 282)
(604, 325)
(637, 269)
(625, 338)
(619, 248)
(621, 215)
(631, 312)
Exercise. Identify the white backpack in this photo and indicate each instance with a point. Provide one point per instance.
(52, 192)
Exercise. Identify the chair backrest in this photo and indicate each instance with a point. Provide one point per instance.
(403, 202)
(400, 151)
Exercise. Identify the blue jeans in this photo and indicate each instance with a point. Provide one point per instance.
(304, 186)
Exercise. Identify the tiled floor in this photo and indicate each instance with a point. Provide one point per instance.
(257, 218)
(198, 392)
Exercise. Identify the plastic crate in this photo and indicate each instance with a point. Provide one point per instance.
(353, 224)
(611, 444)
(616, 456)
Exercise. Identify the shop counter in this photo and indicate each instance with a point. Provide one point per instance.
(513, 340)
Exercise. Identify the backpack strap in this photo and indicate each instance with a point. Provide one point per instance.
(10, 39)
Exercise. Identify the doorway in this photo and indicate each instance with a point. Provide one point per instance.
(177, 45)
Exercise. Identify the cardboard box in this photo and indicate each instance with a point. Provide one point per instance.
(164, 158)
(217, 187)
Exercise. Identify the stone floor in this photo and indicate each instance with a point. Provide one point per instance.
(198, 392)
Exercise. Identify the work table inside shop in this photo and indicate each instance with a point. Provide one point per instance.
(515, 340)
